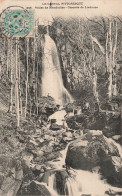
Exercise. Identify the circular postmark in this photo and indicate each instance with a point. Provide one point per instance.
(17, 22)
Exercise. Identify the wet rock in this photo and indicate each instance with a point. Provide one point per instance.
(34, 188)
(53, 121)
(66, 139)
(94, 150)
(61, 177)
(27, 172)
(50, 110)
(113, 192)
(75, 122)
(56, 127)
(109, 122)
(81, 121)
(108, 170)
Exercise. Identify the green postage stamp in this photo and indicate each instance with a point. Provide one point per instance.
(18, 22)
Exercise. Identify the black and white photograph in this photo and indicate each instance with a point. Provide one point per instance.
(60, 98)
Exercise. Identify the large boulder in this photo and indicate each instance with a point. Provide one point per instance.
(75, 122)
(46, 106)
(108, 121)
(113, 126)
(34, 188)
(87, 121)
(11, 175)
(56, 127)
(94, 150)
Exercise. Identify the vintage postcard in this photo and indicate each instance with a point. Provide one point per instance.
(60, 97)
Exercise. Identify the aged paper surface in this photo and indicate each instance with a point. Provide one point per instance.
(60, 97)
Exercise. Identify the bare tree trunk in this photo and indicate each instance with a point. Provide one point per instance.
(110, 61)
(34, 81)
(94, 76)
(26, 99)
(106, 53)
(34, 58)
(30, 110)
(114, 66)
(20, 93)
(8, 58)
(110, 49)
(11, 64)
(37, 89)
(16, 87)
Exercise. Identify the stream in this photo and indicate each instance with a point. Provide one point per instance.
(79, 182)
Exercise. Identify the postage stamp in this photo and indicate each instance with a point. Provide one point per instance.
(18, 23)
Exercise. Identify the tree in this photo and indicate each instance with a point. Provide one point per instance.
(16, 87)
(109, 52)
(27, 68)
(12, 67)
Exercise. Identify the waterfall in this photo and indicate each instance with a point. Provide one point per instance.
(80, 181)
(61, 160)
(52, 82)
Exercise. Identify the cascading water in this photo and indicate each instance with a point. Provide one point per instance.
(52, 82)
(80, 181)
(77, 182)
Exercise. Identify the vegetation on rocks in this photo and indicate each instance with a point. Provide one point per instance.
(31, 135)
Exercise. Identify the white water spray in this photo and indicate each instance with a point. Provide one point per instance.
(52, 82)
(80, 181)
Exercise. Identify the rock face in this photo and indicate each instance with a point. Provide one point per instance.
(11, 175)
(92, 150)
(109, 122)
(34, 188)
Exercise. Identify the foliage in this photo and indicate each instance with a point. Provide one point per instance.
(80, 43)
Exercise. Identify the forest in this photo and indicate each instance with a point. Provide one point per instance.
(83, 57)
